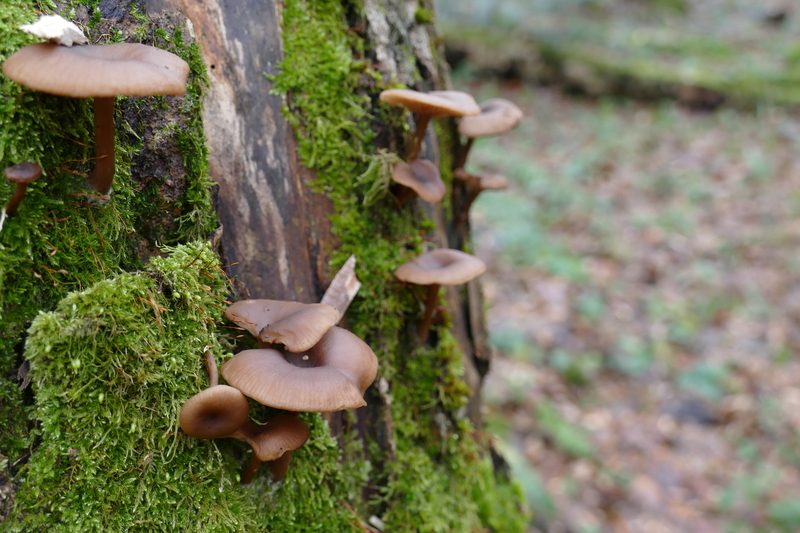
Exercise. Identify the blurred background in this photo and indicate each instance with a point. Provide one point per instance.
(644, 273)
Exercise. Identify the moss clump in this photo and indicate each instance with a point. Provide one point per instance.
(62, 239)
(113, 364)
(435, 477)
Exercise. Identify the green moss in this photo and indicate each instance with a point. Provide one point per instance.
(113, 365)
(424, 16)
(436, 478)
(61, 240)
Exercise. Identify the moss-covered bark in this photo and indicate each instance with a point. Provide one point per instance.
(113, 361)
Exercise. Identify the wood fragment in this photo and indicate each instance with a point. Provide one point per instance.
(343, 288)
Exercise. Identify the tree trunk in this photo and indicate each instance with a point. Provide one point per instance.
(282, 116)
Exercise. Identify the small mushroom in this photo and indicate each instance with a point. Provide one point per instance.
(21, 174)
(214, 413)
(221, 411)
(296, 325)
(272, 443)
(419, 174)
(435, 104)
(434, 269)
(331, 376)
(101, 72)
(497, 116)
(473, 186)
(420, 177)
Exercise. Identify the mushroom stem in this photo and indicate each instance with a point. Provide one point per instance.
(280, 466)
(102, 176)
(13, 203)
(470, 194)
(462, 159)
(252, 469)
(406, 194)
(211, 368)
(424, 326)
(419, 134)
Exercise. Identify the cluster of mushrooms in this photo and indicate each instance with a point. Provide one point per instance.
(304, 362)
(421, 177)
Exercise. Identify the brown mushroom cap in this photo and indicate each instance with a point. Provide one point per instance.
(296, 325)
(423, 177)
(98, 70)
(481, 182)
(497, 116)
(23, 173)
(331, 376)
(441, 267)
(435, 103)
(281, 434)
(214, 413)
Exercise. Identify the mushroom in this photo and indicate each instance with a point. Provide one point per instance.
(331, 376)
(474, 185)
(497, 116)
(21, 174)
(221, 411)
(216, 412)
(434, 104)
(101, 72)
(420, 177)
(437, 268)
(296, 325)
(273, 443)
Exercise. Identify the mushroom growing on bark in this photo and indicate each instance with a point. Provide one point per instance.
(22, 174)
(420, 177)
(437, 268)
(216, 412)
(497, 116)
(473, 186)
(101, 72)
(435, 104)
(331, 376)
(296, 325)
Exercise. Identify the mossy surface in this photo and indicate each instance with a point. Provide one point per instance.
(62, 238)
(113, 361)
(113, 364)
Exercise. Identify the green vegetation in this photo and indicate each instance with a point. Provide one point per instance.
(63, 240)
(647, 49)
(116, 347)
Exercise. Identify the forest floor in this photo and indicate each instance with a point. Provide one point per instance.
(644, 291)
